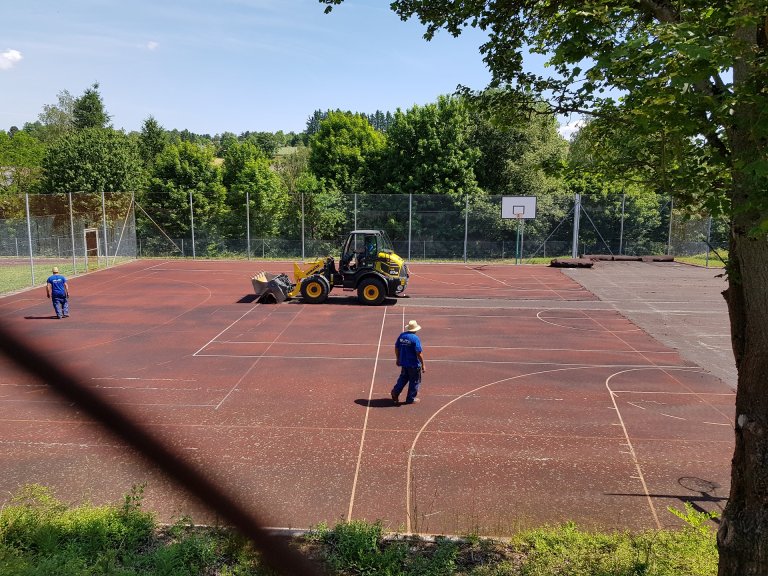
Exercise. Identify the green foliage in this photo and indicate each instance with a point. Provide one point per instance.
(21, 157)
(88, 110)
(344, 152)
(181, 169)
(356, 547)
(428, 151)
(40, 535)
(92, 160)
(55, 120)
(568, 551)
(152, 140)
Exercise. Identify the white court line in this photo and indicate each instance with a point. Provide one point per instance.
(412, 451)
(253, 364)
(251, 309)
(145, 379)
(632, 452)
(462, 347)
(628, 345)
(584, 318)
(444, 361)
(677, 393)
(365, 422)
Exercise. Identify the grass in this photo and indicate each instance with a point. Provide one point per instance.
(15, 275)
(701, 259)
(40, 535)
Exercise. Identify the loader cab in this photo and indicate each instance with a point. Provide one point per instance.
(369, 265)
(362, 248)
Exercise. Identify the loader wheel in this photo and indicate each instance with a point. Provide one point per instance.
(315, 289)
(371, 292)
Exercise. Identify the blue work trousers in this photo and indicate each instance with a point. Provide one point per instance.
(412, 377)
(60, 305)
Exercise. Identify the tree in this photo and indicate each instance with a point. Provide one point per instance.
(21, 157)
(323, 206)
(313, 125)
(344, 151)
(92, 160)
(667, 59)
(236, 156)
(152, 140)
(88, 110)
(267, 197)
(267, 142)
(55, 119)
(428, 151)
(181, 169)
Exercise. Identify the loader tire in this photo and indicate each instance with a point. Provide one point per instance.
(371, 291)
(315, 289)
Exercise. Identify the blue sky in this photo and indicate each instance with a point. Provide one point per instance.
(212, 66)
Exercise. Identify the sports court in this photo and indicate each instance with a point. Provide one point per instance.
(541, 403)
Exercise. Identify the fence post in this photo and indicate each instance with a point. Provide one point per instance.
(248, 222)
(621, 232)
(410, 221)
(466, 224)
(104, 223)
(354, 212)
(72, 233)
(302, 226)
(709, 238)
(192, 223)
(576, 215)
(669, 235)
(29, 238)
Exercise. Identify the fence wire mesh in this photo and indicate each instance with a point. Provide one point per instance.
(79, 232)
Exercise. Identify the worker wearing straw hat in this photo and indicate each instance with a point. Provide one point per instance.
(408, 354)
(57, 289)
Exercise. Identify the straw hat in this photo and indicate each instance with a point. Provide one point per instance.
(412, 326)
(55, 270)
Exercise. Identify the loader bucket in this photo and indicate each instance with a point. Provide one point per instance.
(271, 288)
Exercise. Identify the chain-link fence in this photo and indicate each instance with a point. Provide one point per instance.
(83, 231)
(431, 227)
(74, 232)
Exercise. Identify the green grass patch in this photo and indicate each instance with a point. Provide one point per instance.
(714, 260)
(40, 535)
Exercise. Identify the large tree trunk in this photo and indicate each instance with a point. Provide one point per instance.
(743, 535)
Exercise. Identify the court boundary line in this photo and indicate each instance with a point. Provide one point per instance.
(255, 362)
(411, 452)
(365, 421)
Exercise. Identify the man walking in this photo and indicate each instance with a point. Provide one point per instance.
(57, 289)
(409, 357)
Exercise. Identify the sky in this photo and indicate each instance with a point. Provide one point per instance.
(214, 66)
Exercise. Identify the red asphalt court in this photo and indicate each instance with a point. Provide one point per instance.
(540, 404)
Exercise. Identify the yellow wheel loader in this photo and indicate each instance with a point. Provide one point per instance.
(368, 265)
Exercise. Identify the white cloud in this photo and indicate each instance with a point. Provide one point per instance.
(152, 45)
(569, 129)
(9, 58)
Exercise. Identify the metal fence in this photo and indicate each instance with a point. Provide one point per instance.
(74, 232)
(431, 227)
(79, 232)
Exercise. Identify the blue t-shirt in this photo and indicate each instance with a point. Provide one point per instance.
(57, 282)
(408, 344)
